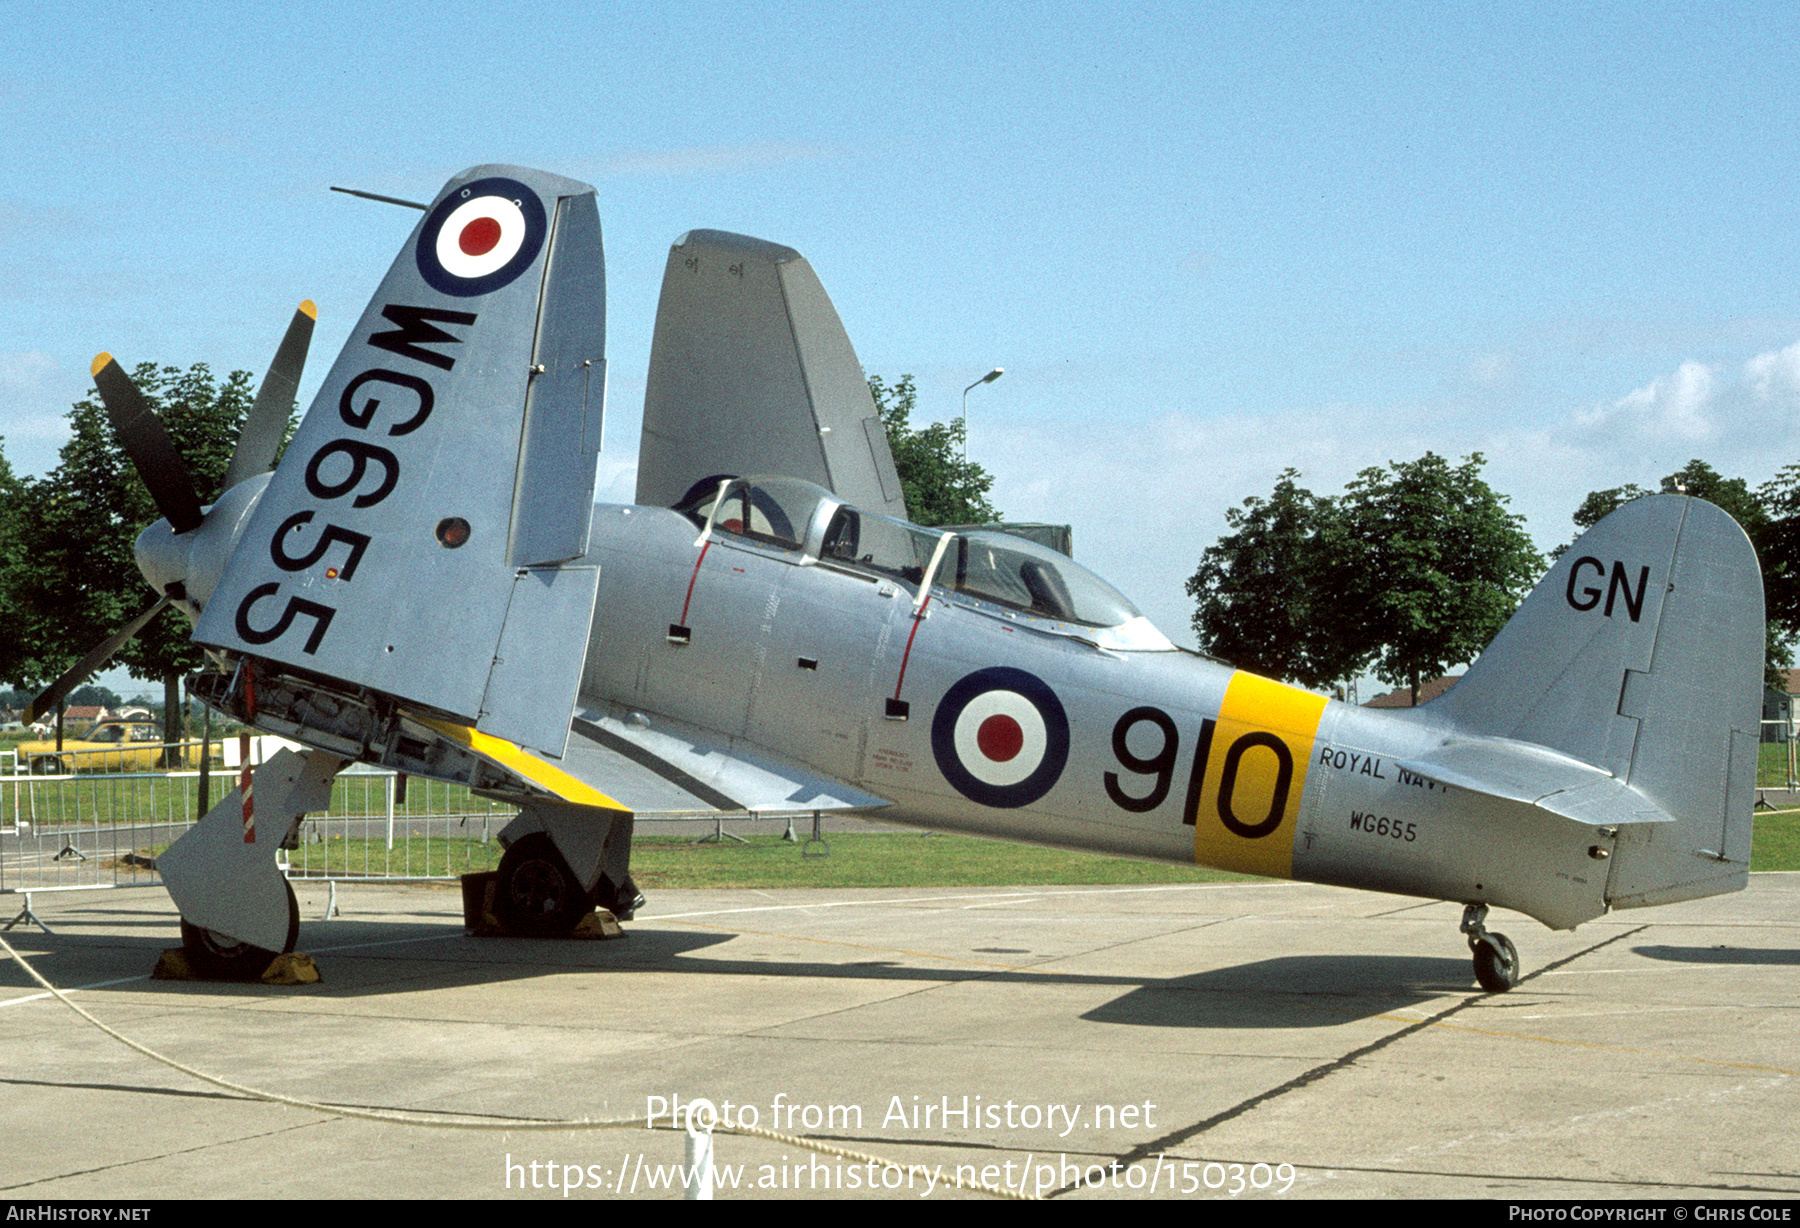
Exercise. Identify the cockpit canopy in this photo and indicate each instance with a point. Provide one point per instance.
(994, 573)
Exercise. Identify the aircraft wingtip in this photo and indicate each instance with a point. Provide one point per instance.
(99, 363)
(309, 309)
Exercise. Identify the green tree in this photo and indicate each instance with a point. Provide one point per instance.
(1260, 592)
(1412, 570)
(94, 696)
(942, 486)
(1695, 478)
(80, 579)
(1770, 517)
(14, 660)
(1779, 550)
(1429, 567)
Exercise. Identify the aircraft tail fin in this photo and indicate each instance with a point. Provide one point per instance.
(751, 372)
(1639, 654)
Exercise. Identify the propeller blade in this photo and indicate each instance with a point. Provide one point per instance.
(267, 420)
(83, 669)
(148, 445)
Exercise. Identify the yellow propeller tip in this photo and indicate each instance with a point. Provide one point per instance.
(310, 308)
(100, 361)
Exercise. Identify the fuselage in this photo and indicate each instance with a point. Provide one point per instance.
(975, 715)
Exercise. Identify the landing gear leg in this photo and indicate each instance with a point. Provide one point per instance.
(220, 957)
(237, 910)
(1496, 959)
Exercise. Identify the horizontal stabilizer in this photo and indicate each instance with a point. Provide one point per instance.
(1537, 776)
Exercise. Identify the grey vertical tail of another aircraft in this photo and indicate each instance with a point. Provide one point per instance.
(751, 372)
(1639, 656)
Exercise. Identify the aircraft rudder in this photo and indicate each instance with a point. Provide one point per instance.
(1640, 653)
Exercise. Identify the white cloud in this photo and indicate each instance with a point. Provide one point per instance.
(615, 481)
(34, 396)
(1775, 376)
(1682, 404)
(1491, 369)
(28, 370)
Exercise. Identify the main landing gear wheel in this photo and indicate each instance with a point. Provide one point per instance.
(538, 896)
(1496, 959)
(220, 957)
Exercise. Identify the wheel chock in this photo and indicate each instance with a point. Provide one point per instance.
(599, 924)
(478, 905)
(173, 966)
(482, 918)
(291, 969)
(294, 969)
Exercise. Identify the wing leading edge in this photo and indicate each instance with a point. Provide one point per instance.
(616, 761)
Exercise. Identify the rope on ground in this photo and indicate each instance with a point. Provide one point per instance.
(454, 1121)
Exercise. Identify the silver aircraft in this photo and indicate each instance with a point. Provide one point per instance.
(425, 584)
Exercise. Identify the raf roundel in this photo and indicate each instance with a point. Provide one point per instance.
(1001, 737)
(480, 237)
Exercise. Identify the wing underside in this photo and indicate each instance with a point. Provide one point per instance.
(615, 760)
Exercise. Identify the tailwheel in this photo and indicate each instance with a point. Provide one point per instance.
(220, 957)
(1496, 959)
(1496, 963)
(538, 895)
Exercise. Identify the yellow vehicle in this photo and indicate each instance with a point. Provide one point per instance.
(108, 746)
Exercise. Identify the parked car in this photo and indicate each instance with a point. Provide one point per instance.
(109, 746)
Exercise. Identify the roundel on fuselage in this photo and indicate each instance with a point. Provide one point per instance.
(480, 237)
(1001, 737)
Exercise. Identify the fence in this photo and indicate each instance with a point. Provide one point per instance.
(90, 829)
(378, 827)
(1778, 759)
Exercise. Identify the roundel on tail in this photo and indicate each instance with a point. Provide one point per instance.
(1001, 737)
(480, 237)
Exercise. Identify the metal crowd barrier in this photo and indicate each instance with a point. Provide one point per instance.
(381, 828)
(1778, 761)
(84, 830)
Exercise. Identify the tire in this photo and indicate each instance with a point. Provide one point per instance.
(1496, 963)
(46, 765)
(538, 895)
(220, 957)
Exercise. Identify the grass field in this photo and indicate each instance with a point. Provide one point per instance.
(875, 859)
(1776, 845)
(1773, 766)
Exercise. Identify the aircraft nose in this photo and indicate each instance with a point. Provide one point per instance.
(162, 556)
(196, 559)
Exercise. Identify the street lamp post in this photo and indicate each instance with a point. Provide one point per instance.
(989, 378)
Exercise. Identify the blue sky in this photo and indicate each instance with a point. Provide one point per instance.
(1207, 242)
